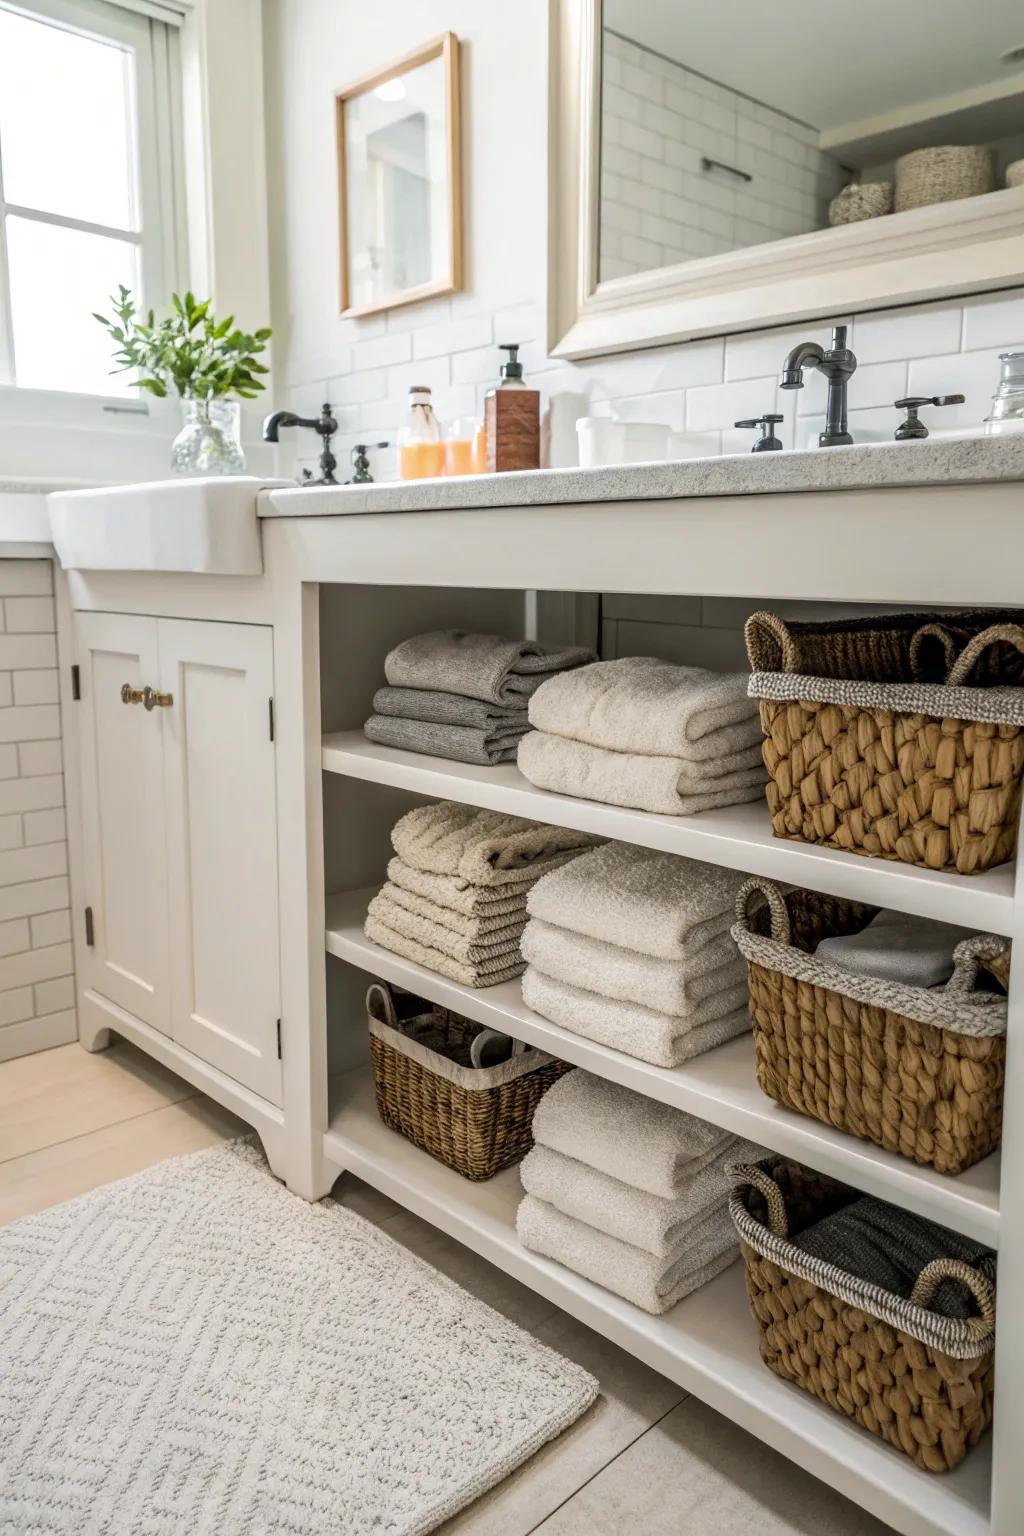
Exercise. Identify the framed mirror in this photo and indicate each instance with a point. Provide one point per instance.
(399, 191)
(713, 175)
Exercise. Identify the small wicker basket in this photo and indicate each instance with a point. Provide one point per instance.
(943, 175)
(868, 753)
(917, 1070)
(919, 1380)
(860, 200)
(477, 1120)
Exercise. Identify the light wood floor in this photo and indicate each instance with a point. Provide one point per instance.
(645, 1459)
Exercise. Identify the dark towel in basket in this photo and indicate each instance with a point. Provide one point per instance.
(889, 1247)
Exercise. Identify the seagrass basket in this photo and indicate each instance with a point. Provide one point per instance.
(900, 737)
(917, 1070)
(476, 1120)
(943, 174)
(919, 1380)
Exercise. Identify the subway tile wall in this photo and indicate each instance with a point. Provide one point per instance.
(37, 988)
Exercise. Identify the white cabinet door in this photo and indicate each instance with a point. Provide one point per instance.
(222, 846)
(123, 823)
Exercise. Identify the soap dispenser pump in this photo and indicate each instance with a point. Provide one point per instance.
(512, 418)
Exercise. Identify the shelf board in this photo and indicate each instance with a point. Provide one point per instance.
(707, 1344)
(738, 837)
(719, 1086)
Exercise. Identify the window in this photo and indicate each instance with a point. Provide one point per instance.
(88, 194)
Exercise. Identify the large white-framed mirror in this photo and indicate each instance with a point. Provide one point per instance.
(696, 150)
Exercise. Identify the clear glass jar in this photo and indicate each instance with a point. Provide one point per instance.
(461, 446)
(420, 440)
(210, 441)
(1007, 413)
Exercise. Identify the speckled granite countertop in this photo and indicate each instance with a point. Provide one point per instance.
(867, 466)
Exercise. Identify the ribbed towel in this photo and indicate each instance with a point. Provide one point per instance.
(655, 903)
(651, 1222)
(695, 991)
(645, 1144)
(660, 1038)
(652, 1284)
(483, 847)
(478, 666)
(485, 925)
(645, 783)
(473, 947)
(896, 946)
(457, 895)
(642, 705)
(459, 743)
(450, 709)
(480, 973)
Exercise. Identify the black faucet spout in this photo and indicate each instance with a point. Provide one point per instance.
(837, 366)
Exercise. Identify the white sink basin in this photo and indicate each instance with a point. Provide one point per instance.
(202, 525)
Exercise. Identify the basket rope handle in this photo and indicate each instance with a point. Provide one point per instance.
(931, 1277)
(380, 1004)
(750, 1173)
(970, 955)
(776, 906)
(770, 645)
(960, 671)
(922, 643)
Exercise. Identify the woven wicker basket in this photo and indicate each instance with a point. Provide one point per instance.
(943, 175)
(919, 1380)
(917, 1070)
(860, 200)
(869, 753)
(477, 1120)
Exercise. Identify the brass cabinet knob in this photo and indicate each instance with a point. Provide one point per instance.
(147, 697)
(130, 695)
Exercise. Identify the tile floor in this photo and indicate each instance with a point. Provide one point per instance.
(646, 1458)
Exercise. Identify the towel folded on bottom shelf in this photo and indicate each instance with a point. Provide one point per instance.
(483, 848)
(454, 895)
(661, 784)
(663, 1039)
(654, 1284)
(479, 666)
(459, 743)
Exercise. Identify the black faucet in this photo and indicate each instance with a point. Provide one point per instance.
(325, 424)
(837, 364)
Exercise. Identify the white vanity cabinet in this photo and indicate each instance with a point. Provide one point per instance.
(179, 834)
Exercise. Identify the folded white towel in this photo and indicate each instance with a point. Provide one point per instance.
(651, 1222)
(487, 925)
(457, 895)
(638, 1140)
(483, 847)
(896, 946)
(644, 783)
(642, 705)
(652, 1284)
(474, 946)
(660, 1038)
(655, 903)
(696, 991)
(469, 973)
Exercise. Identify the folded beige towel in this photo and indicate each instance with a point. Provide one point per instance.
(479, 973)
(645, 783)
(642, 705)
(695, 991)
(660, 1038)
(472, 948)
(483, 847)
(456, 895)
(654, 903)
(479, 666)
(652, 1284)
(485, 926)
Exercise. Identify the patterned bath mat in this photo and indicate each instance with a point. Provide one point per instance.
(196, 1352)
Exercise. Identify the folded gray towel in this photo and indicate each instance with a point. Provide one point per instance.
(889, 1247)
(478, 666)
(483, 847)
(456, 895)
(896, 946)
(485, 923)
(450, 709)
(469, 973)
(458, 743)
(479, 945)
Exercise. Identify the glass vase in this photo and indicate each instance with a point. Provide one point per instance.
(209, 442)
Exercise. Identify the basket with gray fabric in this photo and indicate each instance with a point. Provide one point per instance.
(888, 1318)
(899, 736)
(916, 1069)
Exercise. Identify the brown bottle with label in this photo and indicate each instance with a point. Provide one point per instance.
(512, 418)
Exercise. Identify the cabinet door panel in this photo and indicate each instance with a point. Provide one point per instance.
(222, 846)
(123, 816)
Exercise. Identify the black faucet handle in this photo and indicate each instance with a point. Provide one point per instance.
(913, 427)
(767, 442)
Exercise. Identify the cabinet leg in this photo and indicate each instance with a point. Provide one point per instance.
(92, 1037)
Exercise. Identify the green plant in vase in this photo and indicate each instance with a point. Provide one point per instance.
(209, 364)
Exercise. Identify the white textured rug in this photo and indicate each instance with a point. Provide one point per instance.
(196, 1352)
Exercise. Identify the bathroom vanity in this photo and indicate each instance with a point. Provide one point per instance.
(234, 823)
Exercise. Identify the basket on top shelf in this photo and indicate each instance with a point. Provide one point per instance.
(917, 1070)
(900, 737)
(916, 1378)
(476, 1120)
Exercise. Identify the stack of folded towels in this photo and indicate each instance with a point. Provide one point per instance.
(642, 732)
(455, 898)
(629, 1193)
(631, 947)
(463, 696)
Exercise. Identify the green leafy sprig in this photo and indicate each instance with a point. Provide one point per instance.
(188, 352)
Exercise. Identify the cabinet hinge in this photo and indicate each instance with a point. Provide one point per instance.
(90, 935)
(76, 682)
(270, 711)
(279, 1039)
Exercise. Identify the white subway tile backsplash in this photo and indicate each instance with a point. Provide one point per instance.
(716, 406)
(25, 578)
(29, 615)
(452, 336)
(14, 936)
(18, 865)
(17, 651)
(996, 320)
(50, 996)
(12, 833)
(50, 928)
(32, 722)
(14, 1006)
(35, 965)
(907, 333)
(972, 374)
(39, 757)
(38, 1034)
(41, 687)
(44, 827)
(33, 896)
